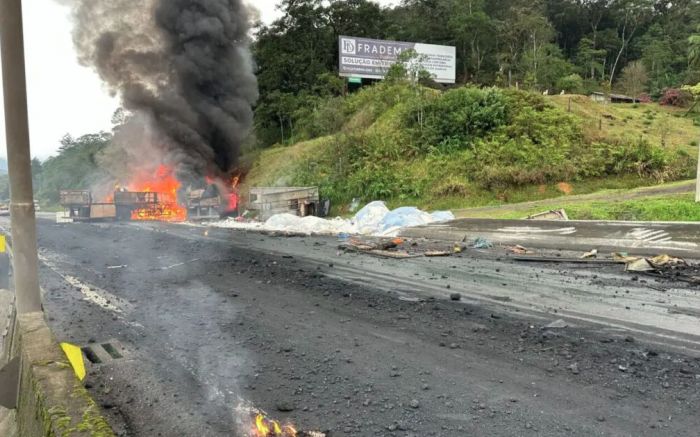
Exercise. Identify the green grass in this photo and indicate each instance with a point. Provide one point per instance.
(651, 121)
(668, 207)
(516, 196)
(681, 207)
(277, 166)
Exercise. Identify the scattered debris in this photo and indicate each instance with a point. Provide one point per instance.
(399, 254)
(519, 250)
(545, 259)
(557, 324)
(661, 266)
(624, 257)
(482, 243)
(666, 260)
(374, 219)
(436, 253)
(639, 265)
(555, 214)
(396, 248)
(655, 264)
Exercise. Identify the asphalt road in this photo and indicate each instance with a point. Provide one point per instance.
(645, 238)
(215, 322)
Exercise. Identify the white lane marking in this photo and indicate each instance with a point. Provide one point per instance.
(649, 235)
(535, 230)
(90, 293)
(180, 264)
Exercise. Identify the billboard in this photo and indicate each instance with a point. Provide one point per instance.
(371, 58)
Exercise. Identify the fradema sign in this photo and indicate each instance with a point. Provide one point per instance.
(372, 58)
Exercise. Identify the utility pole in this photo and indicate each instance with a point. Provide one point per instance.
(24, 245)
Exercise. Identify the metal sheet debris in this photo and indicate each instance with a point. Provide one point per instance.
(555, 214)
(640, 265)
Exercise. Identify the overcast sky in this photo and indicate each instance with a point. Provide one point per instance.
(63, 96)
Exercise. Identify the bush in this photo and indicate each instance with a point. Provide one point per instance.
(640, 158)
(675, 97)
(319, 118)
(644, 98)
(411, 143)
(456, 118)
(572, 84)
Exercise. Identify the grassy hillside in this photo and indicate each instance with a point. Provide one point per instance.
(471, 147)
(658, 124)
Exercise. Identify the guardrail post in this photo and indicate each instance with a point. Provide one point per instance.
(24, 246)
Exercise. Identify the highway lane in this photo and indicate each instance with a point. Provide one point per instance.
(214, 321)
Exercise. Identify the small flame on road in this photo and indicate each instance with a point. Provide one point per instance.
(265, 427)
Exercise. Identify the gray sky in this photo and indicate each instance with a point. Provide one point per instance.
(63, 96)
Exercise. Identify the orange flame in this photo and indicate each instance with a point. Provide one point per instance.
(271, 428)
(165, 184)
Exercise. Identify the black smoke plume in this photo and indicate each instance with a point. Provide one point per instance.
(183, 67)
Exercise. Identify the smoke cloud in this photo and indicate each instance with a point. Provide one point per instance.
(181, 66)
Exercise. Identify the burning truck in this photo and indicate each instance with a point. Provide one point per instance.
(160, 197)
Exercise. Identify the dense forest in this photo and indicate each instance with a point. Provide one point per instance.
(641, 47)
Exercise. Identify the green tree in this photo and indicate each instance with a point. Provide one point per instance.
(474, 36)
(630, 16)
(74, 167)
(634, 79)
(4, 188)
(693, 90)
(300, 49)
(694, 49)
(37, 170)
(523, 29)
(590, 59)
(551, 66)
(572, 84)
(661, 59)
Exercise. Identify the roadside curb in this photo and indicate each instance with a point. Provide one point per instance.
(52, 402)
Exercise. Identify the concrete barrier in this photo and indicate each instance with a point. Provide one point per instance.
(8, 418)
(52, 402)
